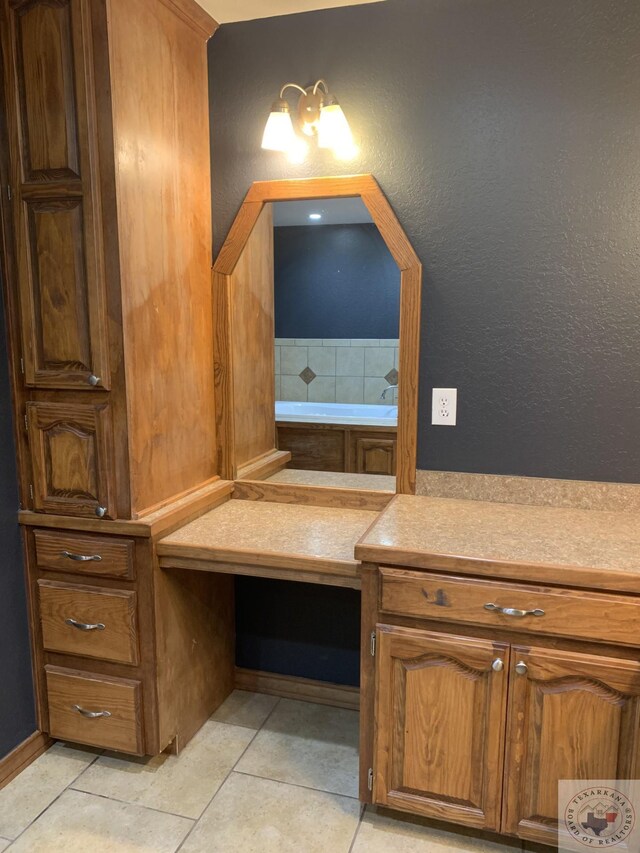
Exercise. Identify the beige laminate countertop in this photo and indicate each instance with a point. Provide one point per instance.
(334, 479)
(585, 548)
(261, 533)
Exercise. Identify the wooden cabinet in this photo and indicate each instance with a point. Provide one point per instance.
(440, 714)
(60, 270)
(72, 458)
(478, 730)
(339, 447)
(110, 244)
(571, 716)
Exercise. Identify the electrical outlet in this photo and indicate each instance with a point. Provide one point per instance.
(444, 406)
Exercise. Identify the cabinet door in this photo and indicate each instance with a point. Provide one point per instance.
(59, 251)
(571, 716)
(440, 723)
(374, 454)
(72, 452)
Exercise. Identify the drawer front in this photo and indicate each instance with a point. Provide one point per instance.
(89, 621)
(112, 708)
(84, 554)
(562, 612)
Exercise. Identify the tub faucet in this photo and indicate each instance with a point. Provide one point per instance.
(383, 396)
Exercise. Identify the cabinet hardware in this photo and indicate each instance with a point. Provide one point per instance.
(26, 423)
(513, 611)
(92, 715)
(373, 644)
(31, 490)
(521, 668)
(9, 193)
(497, 665)
(94, 380)
(22, 366)
(370, 779)
(101, 511)
(84, 626)
(81, 558)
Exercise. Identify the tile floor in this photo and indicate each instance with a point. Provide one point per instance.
(263, 775)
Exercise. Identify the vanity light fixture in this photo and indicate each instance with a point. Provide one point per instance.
(318, 113)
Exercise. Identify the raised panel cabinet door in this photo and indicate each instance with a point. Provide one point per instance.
(375, 455)
(571, 716)
(440, 724)
(72, 454)
(54, 184)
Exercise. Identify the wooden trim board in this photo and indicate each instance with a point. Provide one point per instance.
(296, 493)
(263, 193)
(296, 687)
(22, 756)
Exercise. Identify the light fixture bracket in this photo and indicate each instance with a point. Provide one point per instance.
(309, 106)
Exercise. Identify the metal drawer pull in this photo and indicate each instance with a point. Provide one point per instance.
(497, 665)
(92, 715)
(81, 558)
(513, 611)
(521, 668)
(84, 626)
(94, 380)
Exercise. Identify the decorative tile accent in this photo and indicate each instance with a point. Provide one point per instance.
(307, 375)
(344, 361)
(373, 388)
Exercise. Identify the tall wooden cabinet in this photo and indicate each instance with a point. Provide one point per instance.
(108, 171)
(106, 267)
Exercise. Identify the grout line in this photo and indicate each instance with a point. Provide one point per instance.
(359, 824)
(222, 784)
(296, 785)
(57, 797)
(130, 803)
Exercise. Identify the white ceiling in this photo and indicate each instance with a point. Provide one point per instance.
(226, 11)
(334, 211)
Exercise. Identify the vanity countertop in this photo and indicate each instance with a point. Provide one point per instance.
(334, 479)
(576, 547)
(261, 533)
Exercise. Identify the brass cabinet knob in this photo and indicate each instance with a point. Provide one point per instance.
(521, 668)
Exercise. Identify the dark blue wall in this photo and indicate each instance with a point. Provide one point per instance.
(335, 281)
(505, 135)
(17, 713)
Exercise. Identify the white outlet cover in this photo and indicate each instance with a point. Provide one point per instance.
(444, 406)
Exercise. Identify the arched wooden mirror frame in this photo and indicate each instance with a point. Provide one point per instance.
(246, 439)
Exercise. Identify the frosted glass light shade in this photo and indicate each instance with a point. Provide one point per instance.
(279, 134)
(334, 131)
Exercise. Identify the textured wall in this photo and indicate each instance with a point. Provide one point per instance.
(17, 714)
(334, 281)
(506, 136)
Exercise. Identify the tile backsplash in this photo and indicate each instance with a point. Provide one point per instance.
(334, 370)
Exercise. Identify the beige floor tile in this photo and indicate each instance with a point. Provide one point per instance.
(4, 843)
(22, 800)
(250, 815)
(82, 823)
(243, 708)
(382, 833)
(307, 744)
(182, 784)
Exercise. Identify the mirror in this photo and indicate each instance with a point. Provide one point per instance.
(338, 329)
(336, 318)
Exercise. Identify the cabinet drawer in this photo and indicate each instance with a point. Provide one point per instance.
(569, 613)
(84, 554)
(112, 709)
(88, 621)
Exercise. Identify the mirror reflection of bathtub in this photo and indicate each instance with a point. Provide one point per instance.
(354, 438)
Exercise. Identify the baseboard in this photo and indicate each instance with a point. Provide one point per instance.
(22, 756)
(294, 687)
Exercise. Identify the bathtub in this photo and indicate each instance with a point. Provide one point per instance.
(337, 413)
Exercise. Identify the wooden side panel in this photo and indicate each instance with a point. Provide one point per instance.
(440, 710)
(56, 201)
(161, 149)
(195, 649)
(571, 716)
(72, 454)
(252, 337)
